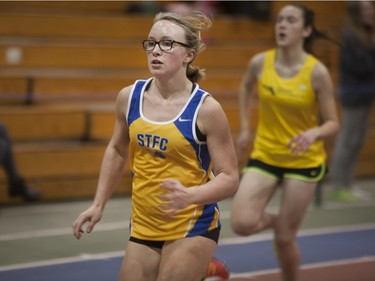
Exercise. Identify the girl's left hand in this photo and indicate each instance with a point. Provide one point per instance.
(175, 198)
(301, 143)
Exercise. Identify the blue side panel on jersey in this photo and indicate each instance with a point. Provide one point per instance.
(134, 112)
(204, 221)
(186, 128)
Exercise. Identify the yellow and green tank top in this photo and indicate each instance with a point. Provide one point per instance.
(287, 107)
(161, 150)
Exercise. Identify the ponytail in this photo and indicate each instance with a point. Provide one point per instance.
(309, 20)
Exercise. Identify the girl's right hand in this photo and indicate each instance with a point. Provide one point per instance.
(91, 216)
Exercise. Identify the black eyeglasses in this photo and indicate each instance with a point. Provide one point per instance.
(164, 45)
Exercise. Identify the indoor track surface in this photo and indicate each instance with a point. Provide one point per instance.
(337, 242)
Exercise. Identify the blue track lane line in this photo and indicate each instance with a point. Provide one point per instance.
(259, 255)
(243, 257)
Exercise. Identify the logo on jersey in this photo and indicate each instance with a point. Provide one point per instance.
(269, 89)
(156, 144)
(157, 154)
(183, 119)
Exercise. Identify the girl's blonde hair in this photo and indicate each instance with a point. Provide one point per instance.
(193, 23)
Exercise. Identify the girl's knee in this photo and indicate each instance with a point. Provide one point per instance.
(244, 226)
(284, 239)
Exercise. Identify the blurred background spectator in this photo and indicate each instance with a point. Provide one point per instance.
(16, 184)
(356, 92)
(254, 9)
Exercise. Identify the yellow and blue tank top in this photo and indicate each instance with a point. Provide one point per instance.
(287, 107)
(161, 150)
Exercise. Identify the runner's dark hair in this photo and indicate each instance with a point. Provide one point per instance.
(309, 20)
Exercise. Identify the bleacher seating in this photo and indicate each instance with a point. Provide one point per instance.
(71, 59)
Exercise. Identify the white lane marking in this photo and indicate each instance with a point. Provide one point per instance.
(301, 233)
(61, 231)
(306, 266)
(81, 257)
